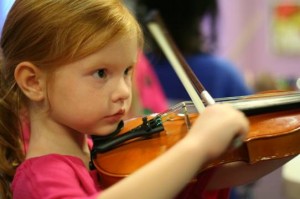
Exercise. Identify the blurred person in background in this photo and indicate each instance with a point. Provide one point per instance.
(193, 26)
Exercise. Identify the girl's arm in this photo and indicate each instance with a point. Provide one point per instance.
(168, 174)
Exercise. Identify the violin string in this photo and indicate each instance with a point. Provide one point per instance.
(276, 95)
(240, 102)
(170, 113)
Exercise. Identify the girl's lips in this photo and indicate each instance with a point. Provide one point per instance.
(116, 117)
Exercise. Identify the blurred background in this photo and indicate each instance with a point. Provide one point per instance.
(262, 40)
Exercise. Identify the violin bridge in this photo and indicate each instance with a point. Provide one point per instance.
(186, 115)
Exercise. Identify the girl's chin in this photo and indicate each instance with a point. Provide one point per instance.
(105, 131)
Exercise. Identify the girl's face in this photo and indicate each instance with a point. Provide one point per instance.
(93, 94)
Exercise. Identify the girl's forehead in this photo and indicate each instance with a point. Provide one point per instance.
(119, 51)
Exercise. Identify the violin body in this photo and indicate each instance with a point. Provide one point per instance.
(127, 158)
(271, 135)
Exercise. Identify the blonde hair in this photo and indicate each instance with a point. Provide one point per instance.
(48, 33)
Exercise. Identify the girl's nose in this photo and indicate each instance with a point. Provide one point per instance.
(122, 91)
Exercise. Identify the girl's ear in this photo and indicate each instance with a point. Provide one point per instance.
(31, 80)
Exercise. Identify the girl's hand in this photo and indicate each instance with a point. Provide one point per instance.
(217, 127)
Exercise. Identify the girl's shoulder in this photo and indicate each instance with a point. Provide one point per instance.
(54, 172)
(49, 166)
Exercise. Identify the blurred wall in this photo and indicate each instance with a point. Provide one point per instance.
(245, 38)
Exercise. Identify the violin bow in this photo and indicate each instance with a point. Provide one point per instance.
(193, 86)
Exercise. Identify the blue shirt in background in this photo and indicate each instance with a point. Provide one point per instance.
(218, 76)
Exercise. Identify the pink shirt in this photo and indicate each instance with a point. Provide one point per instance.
(54, 176)
(59, 176)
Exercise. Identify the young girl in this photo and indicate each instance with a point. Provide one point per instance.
(68, 65)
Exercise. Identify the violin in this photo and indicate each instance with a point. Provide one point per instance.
(274, 125)
(274, 133)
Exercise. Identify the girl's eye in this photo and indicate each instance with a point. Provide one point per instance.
(100, 73)
(128, 70)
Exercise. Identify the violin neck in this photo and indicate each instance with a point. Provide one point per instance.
(265, 103)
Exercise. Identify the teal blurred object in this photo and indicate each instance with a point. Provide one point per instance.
(4, 8)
